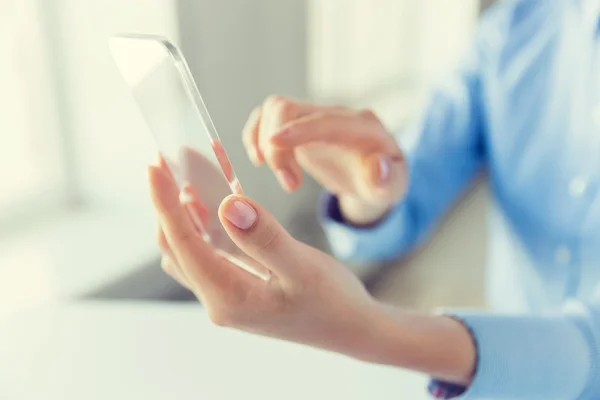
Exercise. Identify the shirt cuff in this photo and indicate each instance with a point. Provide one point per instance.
(383, 242)
(446, 390)
(528, 357)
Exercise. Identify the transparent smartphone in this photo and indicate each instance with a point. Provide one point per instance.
(185, 135)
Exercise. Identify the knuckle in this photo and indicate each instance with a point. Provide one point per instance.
(270, 240)
(285, 108)
(222, 317)
(166, 265)
(246, 135)
(162, 241)
(273, 100)
(368, 114)
(280, 105)
(271, 153)
(251, 122)
(276, 158)
(255, 112)
(247, 140)
(185, 236)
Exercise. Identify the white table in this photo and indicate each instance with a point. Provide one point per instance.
(151, 351)
(72, 255)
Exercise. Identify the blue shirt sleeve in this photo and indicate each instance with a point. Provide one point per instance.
(444, 150)
(553, 356)
(542, 356)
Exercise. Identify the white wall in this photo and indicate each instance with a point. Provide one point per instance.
(239, 52)
(385, 54)
(242, 50)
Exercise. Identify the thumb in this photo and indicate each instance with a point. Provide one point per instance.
(259, 235)
(385, 177)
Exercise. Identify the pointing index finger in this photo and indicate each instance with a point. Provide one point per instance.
(344, 129)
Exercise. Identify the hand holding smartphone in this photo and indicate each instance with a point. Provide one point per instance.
(171, 104)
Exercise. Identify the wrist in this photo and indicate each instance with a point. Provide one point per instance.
(360, 213)
(435, 345)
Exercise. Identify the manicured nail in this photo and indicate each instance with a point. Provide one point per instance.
(286, 178)
(384, 170)
(240, 214)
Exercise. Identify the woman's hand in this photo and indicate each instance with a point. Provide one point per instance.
(348, 152)
(311, 298)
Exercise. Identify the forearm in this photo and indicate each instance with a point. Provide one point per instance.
(498, 356)
(436, 345)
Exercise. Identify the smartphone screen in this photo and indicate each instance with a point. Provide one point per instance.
(163, 88)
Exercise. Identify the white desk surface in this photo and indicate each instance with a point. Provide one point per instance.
(152, 351)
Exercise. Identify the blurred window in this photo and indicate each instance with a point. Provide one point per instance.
(388, 56)
(32, 172)
(74, 210)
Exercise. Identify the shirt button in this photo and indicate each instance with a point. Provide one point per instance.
(562, 255)
(577, 187)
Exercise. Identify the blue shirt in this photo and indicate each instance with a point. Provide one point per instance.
(525, 106)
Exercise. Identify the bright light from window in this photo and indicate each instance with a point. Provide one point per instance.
(28, 135)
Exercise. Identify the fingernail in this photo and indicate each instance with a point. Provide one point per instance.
(384, 169)
(286, 177)
(240, 214)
